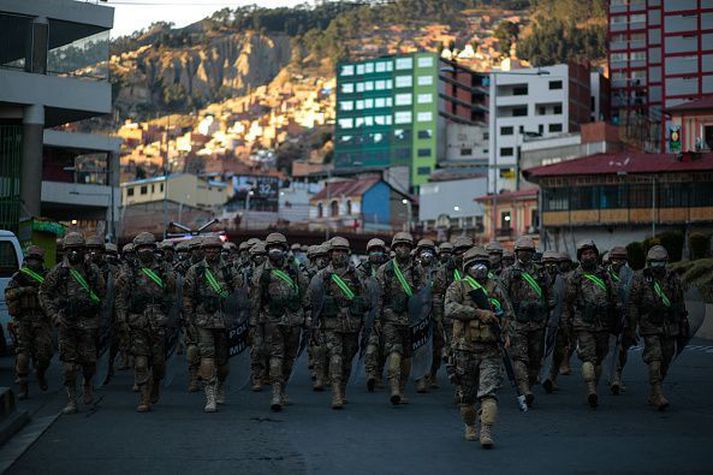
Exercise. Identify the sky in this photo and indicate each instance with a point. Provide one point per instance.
(132, 15)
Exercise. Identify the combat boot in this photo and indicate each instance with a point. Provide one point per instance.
(276, 403)
(433, 381)
(220, 393)
(41, 379)
(88, 392)
(371, 384)
(256, 385)
(394, 373)
(422, 385)
(405, 372)
(210, 398)
(616, 386)
(24, 391)
(337, 402)
(488, 414)
(155, 391)
(657, 398)
(71, 407)
(193, 384)
(469, 417)
(144, 399)
(318, 385)
(589, 376)
(550, 385)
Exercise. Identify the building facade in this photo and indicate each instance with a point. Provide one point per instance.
(511, 215)
(446, 207)
(184, 188)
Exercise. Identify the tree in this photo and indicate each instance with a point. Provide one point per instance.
(506, 33)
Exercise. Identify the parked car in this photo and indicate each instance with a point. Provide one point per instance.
(10, 260)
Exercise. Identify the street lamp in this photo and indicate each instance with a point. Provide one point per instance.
(409, 210)
(247, 207)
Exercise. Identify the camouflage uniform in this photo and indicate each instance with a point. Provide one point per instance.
(563, 329)
(621, 275)
(340, 320)
(476, 352)
(145, 296)
(32, 326)
(495, 252)
(110, 271)
(527, 288)
(657, 309)
(71, 295)
(317, 355)
(259, 357)
(591, 307)
(278, 296)
(190, 332)
(374, 357)
(429, 269)
(393, 317)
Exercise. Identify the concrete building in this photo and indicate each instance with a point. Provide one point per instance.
(49, 46)
(186, 189)
(512, 215)
(694, 123)
(447, 208)
(660, 55)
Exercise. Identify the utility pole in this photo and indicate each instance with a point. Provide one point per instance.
(165, 179)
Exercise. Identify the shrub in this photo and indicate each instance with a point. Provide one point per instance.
(698, 245)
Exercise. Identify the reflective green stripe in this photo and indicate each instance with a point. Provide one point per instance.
(597, 280)
(614, 277)
(496, 303)
(533, 283)
(213, 282)
(152, 275)
(33, 274)
(475, 285)
(457, 275)
(659, 292)
(402, 280)
(343, 286)
(83, 283)
(282, 275)
(491, 275)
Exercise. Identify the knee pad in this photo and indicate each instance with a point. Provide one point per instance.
(488, 411)
(22, 364)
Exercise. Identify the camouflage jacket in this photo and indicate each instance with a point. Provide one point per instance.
(206, 287)
(527, 288)
(340, 311)
(65, 299)
(445, 276)
(590, 301)
(279, 295)
(142, 301)
(367, 270)
(656, 312)
(393, 300)
(22, 297)
(469, 333)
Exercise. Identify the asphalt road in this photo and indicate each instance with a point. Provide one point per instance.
(560, 435)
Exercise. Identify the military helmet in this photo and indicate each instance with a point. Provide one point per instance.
(94, 242)
(243, 246)
(73, 239)
(304, 248)
(426, 244)
(494, 247)
(195, 242)
(35, 251)
(144, 239)
(252, 241)
(475, 254)
(618, 252)
(128, 248)
(524, 243)
(110, 248)
(313, 251)
(375, 242)
(550, 256)
(276, 239)
(462, 242)
(230, 247)
(584, 245)
(257, 249)
(563, 257)
(445, 247)
(338, 242)
(402, 238)
(182, 246)
(211, 241)
(296, 247)
(166, 245)
(657, 253)
(59, 242)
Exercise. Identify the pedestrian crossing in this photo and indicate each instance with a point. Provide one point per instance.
(699, 348)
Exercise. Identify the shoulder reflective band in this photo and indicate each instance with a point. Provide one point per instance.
(597, 280)
(152, 275)
(491, 275)
(496, 304)
(614, 276)
(343, 286)
(33, 274)
(283, 275)
(402, 280)
(213, 282)
(474, 284)
(662, 295)
(83, 283)
(533, 283)
(457, 275)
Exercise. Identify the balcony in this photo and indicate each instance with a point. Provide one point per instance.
(504, 232)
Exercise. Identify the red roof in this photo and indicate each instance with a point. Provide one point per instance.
(349, 188)
(705, 102)
(528, 193)
(625, 162)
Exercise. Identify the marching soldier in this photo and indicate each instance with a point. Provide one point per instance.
(621, 275)
(207, 284)
(279, 296)
(657, 309)
(445, 253)
(71, 295)
(427, 260)
(557, 324)
(145, 296)
(169, 252)
(33, 329)
(190, 332)
(318, 358)
(259, 357)
(495, 251)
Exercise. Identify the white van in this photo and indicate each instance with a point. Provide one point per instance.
(10, 261)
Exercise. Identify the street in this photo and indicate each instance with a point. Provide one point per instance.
(560, 435)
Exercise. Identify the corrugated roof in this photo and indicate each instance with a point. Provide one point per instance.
(511, 195)
(705, 102)
(346, 188)
(625, 162)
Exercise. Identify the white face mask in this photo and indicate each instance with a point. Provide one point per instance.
(657, 264)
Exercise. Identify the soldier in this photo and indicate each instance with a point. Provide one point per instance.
(566, 268)
(169, 252)
(657, 309)
(621, 275)
(480, 312)
(318, 358)
(340, 319)
(508, 259)
(183, 257)
(33, 329)
(101, 255)
(590, 304)
(111, 254)
(119, 339)
(259, 357)
(243, 257)
(374, 358)
(128, 255)
(495, 251)
(528, 290)
(190, 332)
(71, 295)
(279, 295)
(207, 284)
(398, 280)
(230, 253)
(445, 253)
(426, 254)
(145, 296)
(556, 324)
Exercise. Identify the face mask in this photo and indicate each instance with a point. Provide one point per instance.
(111, 259)
(34, 264)
(617, 265)
(340, 259)
(402, 252)
(75, 257)
(95, 257)
(276, 255)
(552, 269)
(145, 255)
(495, 260)
(478, 271)
(427, 258)
(376, 256)
(657, 264)
(258, 259)
(525, 257)
(445, 258)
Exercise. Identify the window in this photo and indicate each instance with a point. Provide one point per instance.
(380, 85)
(424, 117)
(519, 90)
(558, 108)
(389, 84)
(424, 152)
(346, 105)
(425, 134)
(505, 220)
(556, 199)
(587, 197)
(425, 62)
(161, 188)
(360, 87)
(360, 69)
(130, 191)
(144, 190)
(369, 86)
(347, 70)
(348, 87)
(389, 66)
(613, 196)
(369, 68)
(380, 67)
(555, 85)
(535, 218)
(638, 56)
(542, 110)
(425, 98)
(425, 80)
(464, 152)
(404, 81)
(346, 123)
(403, 117)
(8, 259)
(555, 128)
(379, 102)
(334, 208)
(615, 57)
(368, 121)
(404, 63)
(423, 171)
(506, 152)
(349, 207)
(541, 129)
(403, 99)
(402, 135)
(153, 188)
(368, 103)
(519, 112)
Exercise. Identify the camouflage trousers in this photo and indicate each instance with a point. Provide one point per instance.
(190, 339)
(213, 351)
(282, 343)
(563, 342)
(77, 349)
(397, 339)
(259, 358)
(658, 353)
(148, 347)
(33, 342)
(318, 357)
(478, 375)
(341, 348)
(527, 350)
(592, 347)
(375, 357)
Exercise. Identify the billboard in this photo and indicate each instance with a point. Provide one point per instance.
(264, 190)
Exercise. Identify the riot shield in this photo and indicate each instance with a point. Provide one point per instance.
(106, 316)
(372, 286)
(173, 334)
(420, 307)
(696, 308)
(237, 315)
